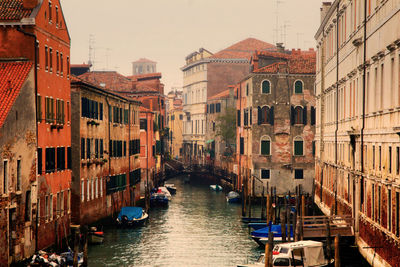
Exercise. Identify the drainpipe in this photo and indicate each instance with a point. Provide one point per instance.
(129, 142)
(337, 100)
(240, 157)
(109, 152)
(36, 126)
(363, 112)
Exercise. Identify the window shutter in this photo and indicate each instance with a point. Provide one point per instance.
(305, 115)
(265, 147)
(259, 116)
(251, 116)
(298, 148)
(292, 115)
(241, 145)
(312, 116)
(238, 118)
(271, 115)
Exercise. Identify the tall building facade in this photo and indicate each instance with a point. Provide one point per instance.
(37, 31)
(357, 134)
(276, 122)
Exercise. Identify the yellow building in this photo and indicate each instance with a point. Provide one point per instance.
(175, 125)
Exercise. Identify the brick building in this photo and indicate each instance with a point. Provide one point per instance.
(357, 132)
(105, 133)
(276, 121)
(18, 185)
(143, 66)
(36, 30)
(218, 152)
(206, 74)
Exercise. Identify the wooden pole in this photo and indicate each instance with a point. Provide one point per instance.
(328, 240)
(268, 250)
(243, 202)
(262, 205)
(85, 248)
(283, 226)
(295, 226)
(337, 253)
(268, 207)
(303, 206)
(76, 247)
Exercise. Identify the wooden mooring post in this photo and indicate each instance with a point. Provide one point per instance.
(76, 247)
(268, 250)
(337, 251)
(328, 241)
(263, 206)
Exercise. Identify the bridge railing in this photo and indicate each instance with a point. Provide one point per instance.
(321, 226)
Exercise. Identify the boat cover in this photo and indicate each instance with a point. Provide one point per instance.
(276, 230)
(131, 213)
(233, 194)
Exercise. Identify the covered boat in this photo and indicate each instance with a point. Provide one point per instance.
(159, 199)
(261, 235)
(171, 188)
(302, 253)
(233, 197)
(216, 187)
(95, 236)
(132, 216)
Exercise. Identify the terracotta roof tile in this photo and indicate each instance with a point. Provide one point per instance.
(222, 95)
(111, 80)
(244, 49)
(13, 10)
(12, 77)
(156, 75)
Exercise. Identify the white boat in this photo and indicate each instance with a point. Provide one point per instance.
(302, 253)
(171, 188)
(165, 191)
(216, 187)
(95, 236)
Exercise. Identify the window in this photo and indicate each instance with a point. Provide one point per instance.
(60, 111)
(241, 145)
(82, 148)
(390, 159)
(83, 191)
(61, 64)
(101, 148)
(51, 59)
(28, 206)
(238, 118)
(143, 124)
(50, 13)
(101, 187)
(69, 158)
(245, 117)
(96, 148)
(38, 108)
(218, 107)
(92, 189)
(18, 175)
(60, 158)
(282, 262)
(298, 87)
(88, 156)
(298, 115)
(298, 146)
(5, 177)
(87, 189)
(298, 174)
(312, 115)
(265, 174)
(247, 89)
(397, 225)
(46, 58)
(50, 159)
(68, 68)
(181, 117)
(266, 115)
(49, 116)
(397, 160)
(265, 145)
(39, 155)
(313, 148)
(266, 87)
(57, 62)
(389, 219)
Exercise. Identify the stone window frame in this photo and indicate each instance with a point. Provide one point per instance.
(261, 170)
(297, 139)
(302, 87)
(261, 87)
(265, 138)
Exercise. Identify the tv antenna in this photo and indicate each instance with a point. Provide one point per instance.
(277, 2)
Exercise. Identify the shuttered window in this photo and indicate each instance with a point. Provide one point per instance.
(298, 87)
(298, 147)
(265, 147)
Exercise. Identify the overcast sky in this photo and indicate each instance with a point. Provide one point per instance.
(167, 31)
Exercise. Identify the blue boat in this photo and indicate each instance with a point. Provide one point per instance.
(233, 197)
(261, 235)
(159, 199)
(258, 225)
(131, 216)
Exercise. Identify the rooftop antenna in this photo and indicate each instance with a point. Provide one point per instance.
(92, 53)
(284, 31)
(298, 38)
(277, 21)
(107, 56)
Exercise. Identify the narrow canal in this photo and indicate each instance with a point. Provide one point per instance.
(199, 228)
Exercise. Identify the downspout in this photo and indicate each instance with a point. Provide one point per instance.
(363, 111)
(337, 99)
(109, 152)
(36, 126)
(129, 142)
(240, 155)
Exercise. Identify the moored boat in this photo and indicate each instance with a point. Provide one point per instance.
(132, 216)
(216, 187)
(95, 236)
(164, 190)
(171, 188)
(159, 199)
(261, 235)
(233, 197)
(302, 253)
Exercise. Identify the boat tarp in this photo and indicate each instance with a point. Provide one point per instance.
(131, 213)
(233, 194)
(275, 228)
(315, 256)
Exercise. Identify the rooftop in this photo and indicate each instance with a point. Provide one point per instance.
(244, 49)
(13, 10)
(12, 77)
(108, 79)
(144, 60)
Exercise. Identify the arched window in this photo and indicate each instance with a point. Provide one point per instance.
(298, 145)
(265, 148)
(266, 115)
(298, 115)
(266, 87)
(298, 87)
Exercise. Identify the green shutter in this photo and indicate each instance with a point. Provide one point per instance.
(266, 87)
(298, 148)
(265, 148)
(298, 87)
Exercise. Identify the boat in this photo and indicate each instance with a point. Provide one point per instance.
(252, 220)
(307, 253)
(216, 187)
(159, 199)
(257, 225)
(261, 235)
(132, 216)
(233, 197)
(164, 190)
(171, 188)
(95, 236)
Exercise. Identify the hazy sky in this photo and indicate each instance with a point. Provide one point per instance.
(167, 31)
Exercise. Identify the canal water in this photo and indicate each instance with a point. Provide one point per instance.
(199, 228)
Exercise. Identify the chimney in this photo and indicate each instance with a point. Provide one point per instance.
(280, 47)
(324, 9)
(29, 4)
